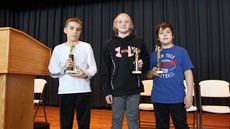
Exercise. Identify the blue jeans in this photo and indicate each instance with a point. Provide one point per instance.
(130, 104)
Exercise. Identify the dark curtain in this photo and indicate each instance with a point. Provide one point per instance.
(201, 26)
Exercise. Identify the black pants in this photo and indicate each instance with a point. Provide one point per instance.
(178, 114)
(68, 103)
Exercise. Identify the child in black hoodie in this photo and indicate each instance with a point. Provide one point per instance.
(121, 83)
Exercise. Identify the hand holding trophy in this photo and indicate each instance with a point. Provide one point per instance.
(158, 49)
(71, 56)
(136, 52)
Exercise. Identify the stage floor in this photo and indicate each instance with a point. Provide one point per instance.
(101, 118)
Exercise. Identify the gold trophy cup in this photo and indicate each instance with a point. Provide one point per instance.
(71, 55)
(136, 52)
(158, 50)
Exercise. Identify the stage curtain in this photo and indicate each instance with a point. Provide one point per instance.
(201, 26)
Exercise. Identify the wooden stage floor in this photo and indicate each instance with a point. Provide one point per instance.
(101, 118)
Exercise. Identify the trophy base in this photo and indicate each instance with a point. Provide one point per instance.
(136, 72)
(72, 71)
(159, 72)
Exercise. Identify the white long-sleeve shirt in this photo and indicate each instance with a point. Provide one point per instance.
(83, 57)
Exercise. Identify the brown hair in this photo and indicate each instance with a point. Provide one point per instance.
(73, 20)
(164, 25)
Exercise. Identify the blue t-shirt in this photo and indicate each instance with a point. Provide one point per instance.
(169, 87)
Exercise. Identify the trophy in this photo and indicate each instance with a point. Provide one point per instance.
(71, 55)
(136, 52)
(158, 49)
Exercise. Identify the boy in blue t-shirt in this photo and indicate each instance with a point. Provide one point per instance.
(168, 93)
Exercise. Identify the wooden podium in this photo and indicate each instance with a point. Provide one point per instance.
(21, 59)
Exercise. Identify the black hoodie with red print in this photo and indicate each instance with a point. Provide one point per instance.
(116, 76)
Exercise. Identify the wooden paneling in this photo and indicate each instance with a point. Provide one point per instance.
(22, 54)
(2, 99)
(16, 102)
(21, 59)
(4, 51)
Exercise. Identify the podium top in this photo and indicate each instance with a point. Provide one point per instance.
(22, 54)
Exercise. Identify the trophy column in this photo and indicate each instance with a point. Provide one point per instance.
(158, 50)
(136, 70)
(71, 56)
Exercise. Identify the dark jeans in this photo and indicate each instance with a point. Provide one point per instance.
(178, 114)
(68, 103)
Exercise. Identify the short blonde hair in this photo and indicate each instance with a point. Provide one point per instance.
(115, 21)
